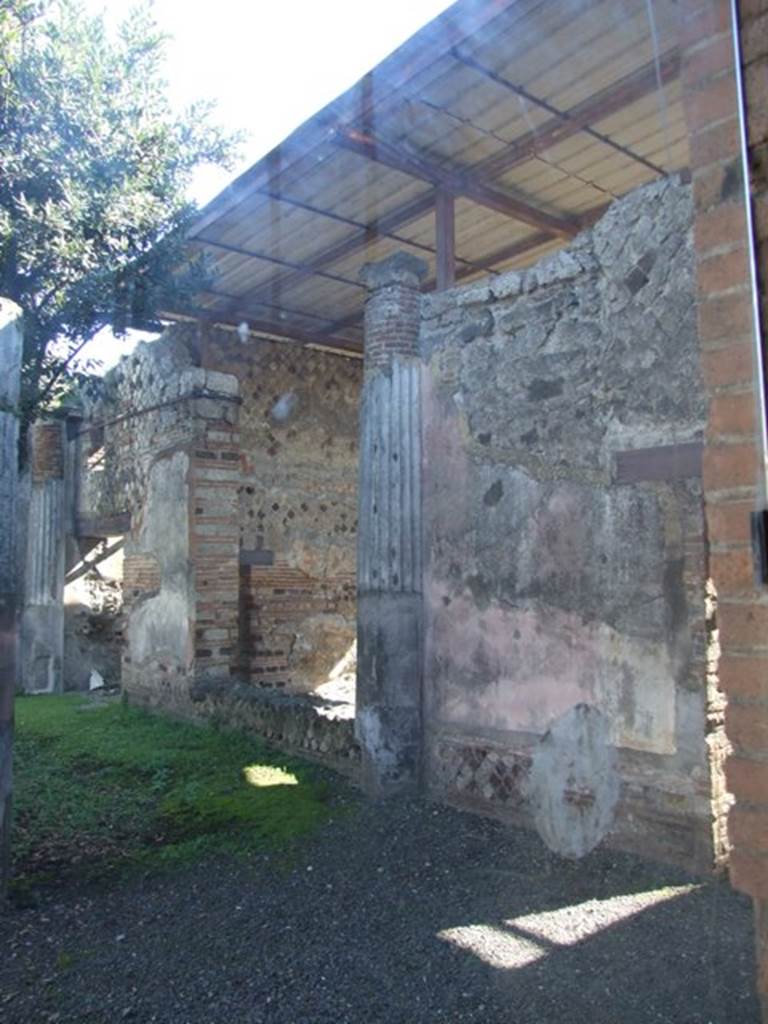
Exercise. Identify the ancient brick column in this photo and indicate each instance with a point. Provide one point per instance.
(389, 570)
(734, 456)
(42, 624)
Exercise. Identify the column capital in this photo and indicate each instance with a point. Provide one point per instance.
(401, 268)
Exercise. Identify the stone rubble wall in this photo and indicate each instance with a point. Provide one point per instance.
(565, 548)
(320, 730)
(236, 466)
(296, 507)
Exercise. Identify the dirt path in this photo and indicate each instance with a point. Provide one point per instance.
(395, 914)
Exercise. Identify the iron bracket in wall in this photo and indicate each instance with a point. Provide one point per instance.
(759, 520)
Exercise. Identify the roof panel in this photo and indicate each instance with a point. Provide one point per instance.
(313, 211)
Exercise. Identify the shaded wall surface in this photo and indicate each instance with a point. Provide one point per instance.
(566, 636)
(297, 507)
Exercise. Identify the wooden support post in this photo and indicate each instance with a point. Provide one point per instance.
(445, 239)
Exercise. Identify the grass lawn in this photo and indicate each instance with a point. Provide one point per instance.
(99, 785)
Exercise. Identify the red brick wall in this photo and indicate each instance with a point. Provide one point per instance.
(733, 456)
(273, 599)
(295, 515)
(141, 576)
(215, 470)
(47, 451)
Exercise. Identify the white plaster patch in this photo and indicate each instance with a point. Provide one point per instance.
(159, 628)
(371, 737)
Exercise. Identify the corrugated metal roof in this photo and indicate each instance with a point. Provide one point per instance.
(534, 114)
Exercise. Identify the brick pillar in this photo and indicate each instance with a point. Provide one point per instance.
(734, 459)
(10, 373)
(181, 569)
(389, 570)
(214, 474)
(42, 624)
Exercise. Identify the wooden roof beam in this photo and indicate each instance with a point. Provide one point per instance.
(266, 328)
(560, 115)
(367, 228)
(409, 211)
(569, 122)
(445, 234)
(414, 56)
(233, 300)
(458, 183)
(298, 269)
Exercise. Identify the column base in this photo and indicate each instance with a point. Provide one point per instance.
(388, 720)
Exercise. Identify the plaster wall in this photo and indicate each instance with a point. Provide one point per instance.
(565, 561)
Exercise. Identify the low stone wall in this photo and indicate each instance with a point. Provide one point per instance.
(320, 730)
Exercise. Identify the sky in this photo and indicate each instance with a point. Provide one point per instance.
(268, 65)
(271, 65)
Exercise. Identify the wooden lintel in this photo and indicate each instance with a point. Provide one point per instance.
(445, 239)
(103, 526)
(666, 462)
(272, 329)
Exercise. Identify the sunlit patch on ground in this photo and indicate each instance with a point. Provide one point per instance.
(264, 775)
(523, 940)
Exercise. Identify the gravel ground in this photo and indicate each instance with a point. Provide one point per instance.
(396, 913)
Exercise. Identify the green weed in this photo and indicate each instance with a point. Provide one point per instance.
(100, 785)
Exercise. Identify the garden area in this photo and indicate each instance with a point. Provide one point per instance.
(102, 788)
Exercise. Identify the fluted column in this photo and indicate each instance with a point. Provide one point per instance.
(42, 629)
(10, 373)
(389, 574)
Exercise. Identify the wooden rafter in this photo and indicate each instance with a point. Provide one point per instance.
(358, 240)
(282, 309)
(367, 228)
(414, 57)
(454, 181)
(299, 269)
(569, 122)
(349, 123)
(559, 115)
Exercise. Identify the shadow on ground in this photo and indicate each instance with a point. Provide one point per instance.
(398, 913)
